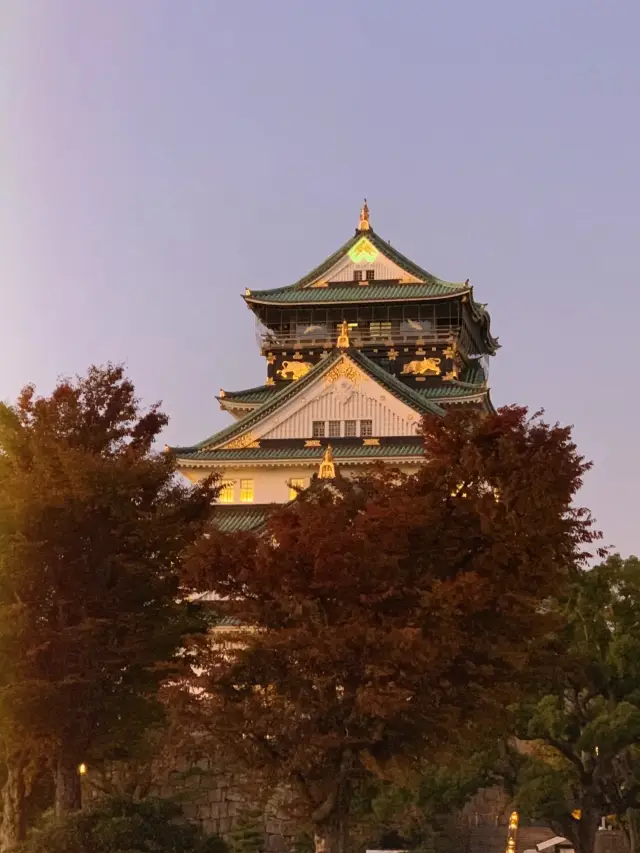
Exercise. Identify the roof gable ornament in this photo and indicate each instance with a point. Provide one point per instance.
(343, 336)
(363, 225)
(327, 470)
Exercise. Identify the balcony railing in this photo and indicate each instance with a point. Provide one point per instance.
(375, 334)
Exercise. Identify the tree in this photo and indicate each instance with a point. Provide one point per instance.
(92, 526)
(582, 735)
(387, 615)
(122, 826)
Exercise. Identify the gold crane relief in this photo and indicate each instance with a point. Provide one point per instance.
(294, 369)
(248, 440)
(421, 368)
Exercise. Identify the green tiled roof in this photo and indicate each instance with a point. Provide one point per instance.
(428, 287)
(380, 292)
(472, 380)
(393, 385)
(233, 518)
(382, 246)
(401, 449)
(452, 389)
(259, 394)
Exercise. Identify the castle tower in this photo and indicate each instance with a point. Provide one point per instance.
(356, 352)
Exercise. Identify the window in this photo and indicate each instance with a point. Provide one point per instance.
(366, 428)
(246, 491)
(318, 429)
(380, 330)
(227, 493)
(349, 429)
(294, 488)
(357, 275)
(334, 429)
(371, 274)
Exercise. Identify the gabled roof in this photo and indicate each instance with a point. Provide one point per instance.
(471, 382)
(428, 286)
(395, 387)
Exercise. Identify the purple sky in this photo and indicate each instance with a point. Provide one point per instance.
(159, 156)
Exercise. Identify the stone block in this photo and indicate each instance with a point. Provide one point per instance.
(224, 825)
(276, 843)
(235, 796)
(274, 827)
(190, 810)
(204, 812)
(210, 827)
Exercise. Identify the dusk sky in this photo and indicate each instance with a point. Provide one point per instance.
(159, 156)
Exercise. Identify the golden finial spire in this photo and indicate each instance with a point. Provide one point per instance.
(327, 469)
(343, 335)
(363, 225)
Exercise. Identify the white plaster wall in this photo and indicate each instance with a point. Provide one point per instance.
(270, 484)
(341, 400)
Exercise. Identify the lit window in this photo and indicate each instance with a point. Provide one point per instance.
(334, 429)
(294, 488)
(357, 275)
(366, 428)
(227, 493)
(246, 491)
(318, 429)
(371, 274)
(349, 429)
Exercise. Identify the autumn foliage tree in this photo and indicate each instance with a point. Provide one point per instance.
(581, 734)
(92, 524)
(389, 615)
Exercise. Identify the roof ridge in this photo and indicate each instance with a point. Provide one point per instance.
(252, 417)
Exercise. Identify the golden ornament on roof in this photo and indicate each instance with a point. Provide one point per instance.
(343, 336)
(363, 225)
(327, 469)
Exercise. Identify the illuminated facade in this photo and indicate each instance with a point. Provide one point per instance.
(356, 352)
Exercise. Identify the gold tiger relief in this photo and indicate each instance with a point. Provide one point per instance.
(423, 367)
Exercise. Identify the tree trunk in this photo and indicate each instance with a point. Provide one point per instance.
(329, 836)
(585, 830)
(68, 791)
(14, 823)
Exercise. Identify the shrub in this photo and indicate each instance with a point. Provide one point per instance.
(123, 826)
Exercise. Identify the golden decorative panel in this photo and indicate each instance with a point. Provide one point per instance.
(393, 354)
(343, 369)
(312, 442)
(451, 351)
(428, 366)
(242, 442)
(294, 369)
(371, 442)
(452, 374)
(270, 380)
(363, 252)
(270, 358)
